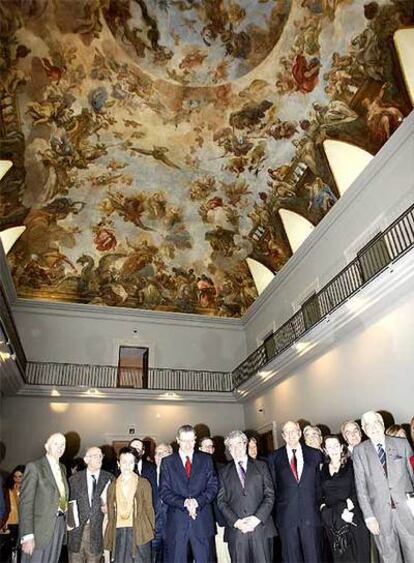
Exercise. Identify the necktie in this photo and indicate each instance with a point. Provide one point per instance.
(187, 467)
(382, 457)
(294, 465)
(93, 487)
(242, 474)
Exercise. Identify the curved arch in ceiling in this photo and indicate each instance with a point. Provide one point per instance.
(262, 275)
(297, 227)
(346, 162)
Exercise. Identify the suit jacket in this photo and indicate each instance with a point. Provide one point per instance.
(175, 487)
(297, 503)
(256, 498)
(149, 471)
(375, 490)
(78, 487)
(39, 501)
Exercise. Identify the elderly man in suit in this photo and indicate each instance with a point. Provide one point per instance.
(43, 504)
(245, 499)
(351, 433)
(295, 471)
(85, 542)
(383, 476)
(188, 487)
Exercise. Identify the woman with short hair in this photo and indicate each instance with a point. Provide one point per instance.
(131, 519)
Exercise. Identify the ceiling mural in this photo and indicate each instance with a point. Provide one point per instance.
(155, 141)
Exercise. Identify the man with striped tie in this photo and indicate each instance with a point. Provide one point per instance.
(245, 500)
(383, 477)
(188, 486)
(295, 472)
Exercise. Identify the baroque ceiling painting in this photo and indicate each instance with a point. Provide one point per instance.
(155, 141)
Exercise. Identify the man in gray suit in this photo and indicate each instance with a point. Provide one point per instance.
(383, 476)
(43, 504)
(85, 542)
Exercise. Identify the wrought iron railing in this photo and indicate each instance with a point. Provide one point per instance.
(95, 377)
(378, 254)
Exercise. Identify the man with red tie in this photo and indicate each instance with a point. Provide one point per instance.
(188, 486)
(295, 471)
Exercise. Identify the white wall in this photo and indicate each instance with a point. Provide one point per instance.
(369, 369)
(92, 335)
(378, 196)
(27, 421)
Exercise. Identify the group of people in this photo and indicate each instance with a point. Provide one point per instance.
(325, 499)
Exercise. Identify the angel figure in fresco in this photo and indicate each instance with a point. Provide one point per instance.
(305, 72)
(129, 208)
(382, 118)
(158, 153)
(279, 186)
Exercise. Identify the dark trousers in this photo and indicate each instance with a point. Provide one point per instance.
(51, 552)
(301, 545)
(177, 551)
(249, 549)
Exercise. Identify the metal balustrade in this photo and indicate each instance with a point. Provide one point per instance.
(95, 377)
(384, 249)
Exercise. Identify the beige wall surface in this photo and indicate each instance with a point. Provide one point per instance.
(27, 421)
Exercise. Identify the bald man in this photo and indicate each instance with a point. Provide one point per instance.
(43, 504)
(85, 543)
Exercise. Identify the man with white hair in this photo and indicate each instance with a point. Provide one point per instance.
(245, 499)
(383, 477)
(295, 471)
(43, 504)
(85, 542)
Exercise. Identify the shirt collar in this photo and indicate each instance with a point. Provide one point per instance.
(52, 461)
(96, 473)
(298, 449)
(243, 461)
(184, 456)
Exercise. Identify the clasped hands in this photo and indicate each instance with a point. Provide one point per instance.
(248, 524)
(191, 505)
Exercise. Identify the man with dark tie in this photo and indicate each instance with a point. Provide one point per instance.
(188, 487)
(144, 468)
(85, 542)
(43, 504)
(383, 476)
(295, 471)
(245, 500)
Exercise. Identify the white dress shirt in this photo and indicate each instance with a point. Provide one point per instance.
(299, 457)
(184, 457)
(90, 483)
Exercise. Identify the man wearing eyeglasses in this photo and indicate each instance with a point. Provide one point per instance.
(85, 542)
(188, 486)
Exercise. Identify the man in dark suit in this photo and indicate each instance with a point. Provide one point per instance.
(188, 486)
(245, 499)
(295, 471)
(85, 542)
(160, 509)
(144, 468)
(43, 504)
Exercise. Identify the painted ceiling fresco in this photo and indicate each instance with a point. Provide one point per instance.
(155, 141)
